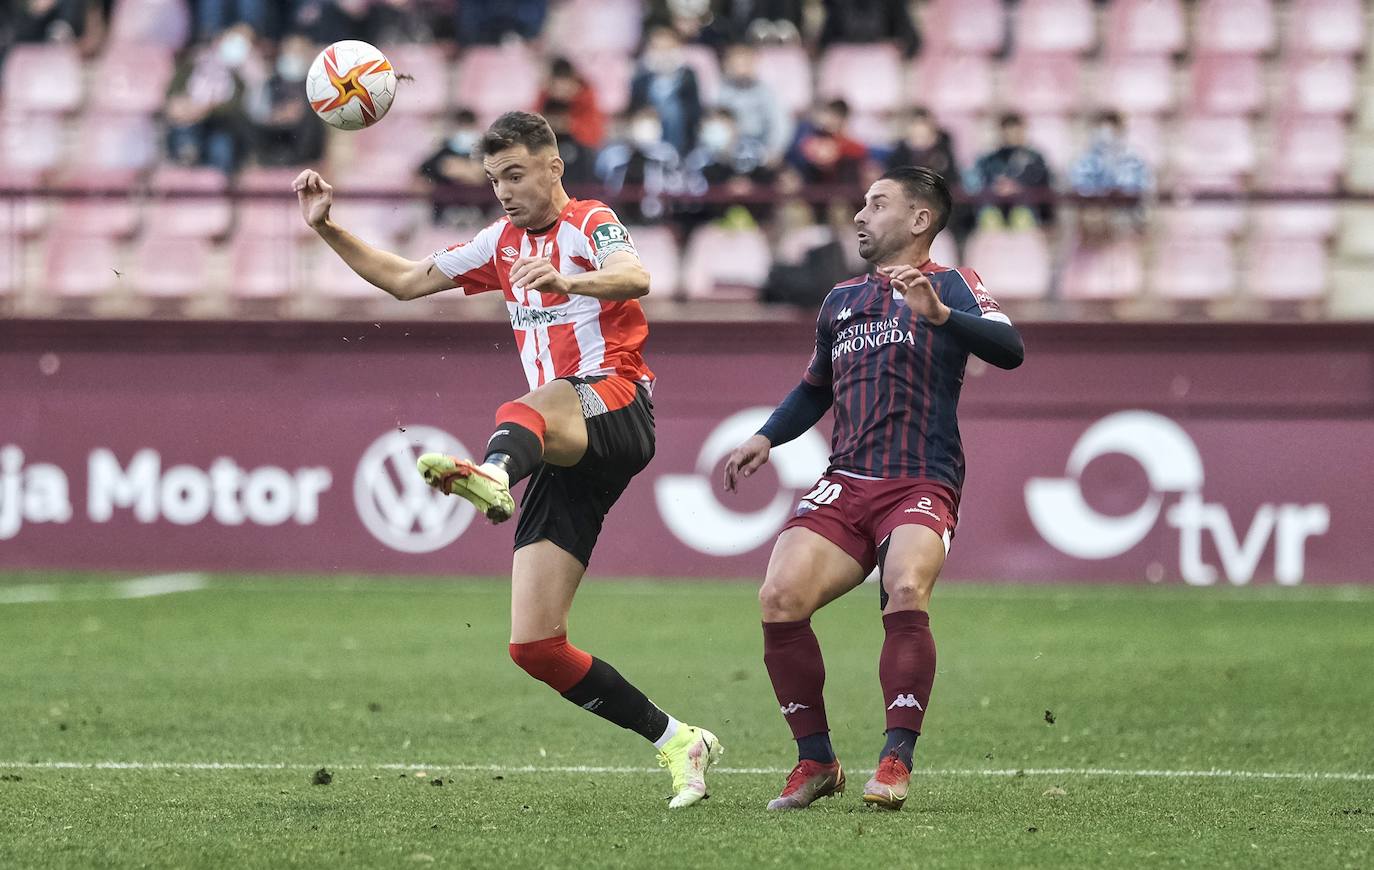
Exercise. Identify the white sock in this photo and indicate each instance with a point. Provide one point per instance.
(668, 733)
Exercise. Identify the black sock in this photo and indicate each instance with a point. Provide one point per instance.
(515, 449)
(606, 693)
(901, 742)
(816, 747)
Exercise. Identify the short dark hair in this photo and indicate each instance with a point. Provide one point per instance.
(1011, 119)
(561, 67)
(1110, 116)
(927, 185)
(465, 116)
(839, 107)
(518, 128)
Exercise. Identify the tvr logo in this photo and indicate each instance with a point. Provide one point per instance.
(1172, 465)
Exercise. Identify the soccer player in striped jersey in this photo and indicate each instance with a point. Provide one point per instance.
(890, 353)
(571, 277)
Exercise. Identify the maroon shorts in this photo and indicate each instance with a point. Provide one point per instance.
(857, 514)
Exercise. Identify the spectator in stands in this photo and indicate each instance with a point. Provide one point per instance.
(457, 161)
(823, 152)
(757, 112)
(719, 23)
(865, 21)
(52, 20)
(1013, 170)
(728, 162)
(488, 22)
(285, 131)
(665, 82)
(207, 123)
(640, 158)
(925, 144)
(215, 16)
(579, 159)
(573, 95)
(1109, 165)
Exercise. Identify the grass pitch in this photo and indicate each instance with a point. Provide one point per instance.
(443, 753)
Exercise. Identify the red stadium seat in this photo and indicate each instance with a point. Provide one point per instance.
(1326, 27)
(598, 26)
(11, 260)
(951, 83)
(327, 275)
(498, 79)
(431, 91)
(23, 217)
(261, 267)
(1201, 220)
(165, 23)
(1052, 136)
(725, 264)
(1309, 154)
(609, 74)
(1013, 264)
(1145, 133)
(703, 61)
(378, 222)
(82, 265)
(1320, 86)
(1227, 84)
(1213, 153)
(1136, 84)
(270, 209)
(1146, 27)
(206, 216)
(868, 77)
(133, 82)
(1042, 84)
(1045, 26)
(170, 266)
(1234, 26)
(1285, 269)
(658, 250)
(1193, 267)
(977, 26)
(44, 77)
(786, 69)
(1115, 270)
(387, 156)
(944, 251)
(115, 217)
(117, 143)
(971, 135)
(1295, 220)
(31, 147)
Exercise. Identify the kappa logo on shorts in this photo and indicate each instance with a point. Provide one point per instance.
(396, 505)
(793, 707)
(906, 701)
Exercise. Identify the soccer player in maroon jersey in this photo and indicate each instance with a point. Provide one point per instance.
(571, 280)
(890, 354)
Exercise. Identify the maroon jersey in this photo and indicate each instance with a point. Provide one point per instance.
(895, 378)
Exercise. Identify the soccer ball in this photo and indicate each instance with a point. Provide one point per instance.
(351, 85)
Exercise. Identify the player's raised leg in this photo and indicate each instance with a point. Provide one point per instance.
(546, 425)
(805, 573)
(911, 564)
(544, 580)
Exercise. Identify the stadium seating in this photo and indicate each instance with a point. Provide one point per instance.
(1319, 86)
(1146, 27)
(1213, 153)
(1227, 84)
(703, 61)
(597, 26)
(977, 26)
(787, 71)
(1234, 26)
(658, 250)
(430, 93)
(1191, 267)
(1285, 269)
(609, 74)
(497, 79)
(950, 84)
(31, 147)
(1053, 136)
(83, 265)
(1308, 154)
(261, 267)
(849, 71)
(725, 264)
(141, 23)
(170, 265)
(1052, 26)
(1295, 220)
(1136, 84)
(1115, 270)
(1013, 264)
(44, 77)
(1042, 83)
(133, 82)
(1326, 27)
(207, 213)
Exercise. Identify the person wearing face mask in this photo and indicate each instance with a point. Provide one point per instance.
(665, 82)
(640, 159)
(206, 116)
(455, 162)
(757, 111)
(823, 152)
(725, 161)
(285, 131)
(1109, 165)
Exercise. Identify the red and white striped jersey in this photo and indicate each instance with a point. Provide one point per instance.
(558, 336)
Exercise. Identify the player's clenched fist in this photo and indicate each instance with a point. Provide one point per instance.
(746, 459)
(538, 273)
(315, 196)
(919, 293)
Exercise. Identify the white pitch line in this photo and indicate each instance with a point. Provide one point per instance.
(160, 584)
(1001, 773)
(139, 587)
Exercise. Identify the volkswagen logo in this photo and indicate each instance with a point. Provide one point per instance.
(394, 502)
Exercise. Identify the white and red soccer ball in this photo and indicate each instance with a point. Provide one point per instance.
(351, 85)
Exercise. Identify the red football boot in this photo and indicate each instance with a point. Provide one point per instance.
(887, 789)
(808, 782)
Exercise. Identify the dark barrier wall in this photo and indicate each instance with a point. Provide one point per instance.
(1205, 454)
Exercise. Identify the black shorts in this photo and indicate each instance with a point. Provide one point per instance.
(567, 505)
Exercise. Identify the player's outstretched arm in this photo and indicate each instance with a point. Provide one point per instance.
(402, 278)
(992, 339)
(621, 277)
(803, 408)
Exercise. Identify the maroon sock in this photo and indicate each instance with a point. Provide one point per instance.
(793, 658)
(906, 667)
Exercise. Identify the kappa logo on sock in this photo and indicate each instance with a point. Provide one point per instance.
(591, 705)
(906, 701)
(793, 707)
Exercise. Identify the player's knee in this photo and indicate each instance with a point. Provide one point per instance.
(907, 591)
(781, 602)
(553, 661)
